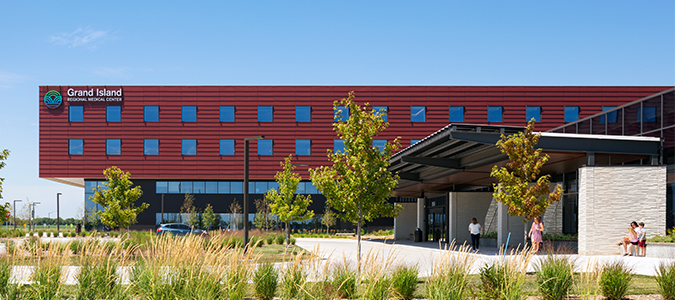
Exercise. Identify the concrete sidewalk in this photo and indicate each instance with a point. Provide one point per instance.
(424, 254)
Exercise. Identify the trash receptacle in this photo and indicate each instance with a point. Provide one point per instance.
(418, 235)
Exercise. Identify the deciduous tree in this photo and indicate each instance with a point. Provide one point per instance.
(328, 218)
(358, 184)
(209, 217)
(3, 156)
(287, 205)
(521, 188)
(118, 199)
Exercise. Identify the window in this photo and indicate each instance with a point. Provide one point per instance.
(341, 114)
(198, 187)
(236, 187)
(310, 188)
(227, 147)
(265, 113)
(456, 113)
(380, 144)
(610, 117)
(185, 187)
(418, 114)
(533, 112)
(265, 147)
(303, 147)
(494, 113)
(338, 146)
(76, 146)
(413, 142)
(151, 113)
(189, 147)
(301, 188)
(571, 113)
(223, 187)
(211, 187)
(113, 113)
(113, 146)
(260, 187)
(161, 187)
(151, 147)
(227, 113)
(174, 187)
(189, 114)
(649, 114)
(75, 113)
(303, 114)
(382, 111)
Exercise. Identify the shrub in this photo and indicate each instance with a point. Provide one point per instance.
(614, 280)
(270, 238)
(404, 281)
(292, 241)
(504, 279)
(5, 274)
(292, 279)
(46, 278)
(555, 276)
(255, 241)
(665, 278)
(280, 239)
(343, 281)
(265, 281)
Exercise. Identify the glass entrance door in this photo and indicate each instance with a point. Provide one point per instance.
(437, 225)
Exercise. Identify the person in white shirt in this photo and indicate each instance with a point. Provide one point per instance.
(474, 228)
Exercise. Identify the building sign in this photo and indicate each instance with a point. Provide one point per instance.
(94, 95)
(53, 99)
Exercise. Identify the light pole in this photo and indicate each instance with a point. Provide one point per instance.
(33, 215)
(246, 140)
(14, 206)
(58, 216)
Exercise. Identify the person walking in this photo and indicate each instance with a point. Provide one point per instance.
(474, 229)
(535, 234)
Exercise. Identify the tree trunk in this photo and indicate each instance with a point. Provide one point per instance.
(288, 233)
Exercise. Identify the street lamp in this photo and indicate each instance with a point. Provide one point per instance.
(14, 206)
(246, 140)
(33, 215)
(58, 216)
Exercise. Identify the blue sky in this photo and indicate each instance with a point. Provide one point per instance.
(311, 43)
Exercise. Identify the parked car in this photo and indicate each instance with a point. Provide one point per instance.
(178, 229)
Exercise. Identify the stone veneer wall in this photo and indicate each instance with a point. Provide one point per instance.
(610, 197)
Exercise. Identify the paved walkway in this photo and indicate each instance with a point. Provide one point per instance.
(424, 254)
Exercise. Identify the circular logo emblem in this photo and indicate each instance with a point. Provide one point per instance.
(53, 99)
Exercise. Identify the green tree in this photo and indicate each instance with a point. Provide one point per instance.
(524, 192)
(118, 199)
(3, 156)
(235, 209)
(287, 205)
(358, 184)
(328, 218)
(209, 217)
(263, 216)
(187, 207)
(5, 212)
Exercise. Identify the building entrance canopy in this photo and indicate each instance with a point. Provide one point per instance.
(459, 157)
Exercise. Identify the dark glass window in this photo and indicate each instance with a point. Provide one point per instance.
(418, 114)
(338, 145)
(151, 147)
(265, 113)
(113, 146)
(113, 113)
(380, 144)
(75, 113)
(608, 117)
(382, 111)
(151, 113)
(303, 114)
(649, 114)
(341, 114)
(494, 113)
(75, 146)
(161, 187)
(227, 113)
(189, 114)
(189, 147)
(303, 147)
(571, 113)
(265, 147)
(227, 147)
(533, 112)
(456, 114)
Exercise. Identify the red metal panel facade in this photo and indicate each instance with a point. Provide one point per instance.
(56, 130)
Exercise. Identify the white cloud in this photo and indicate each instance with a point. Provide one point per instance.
(80, 37)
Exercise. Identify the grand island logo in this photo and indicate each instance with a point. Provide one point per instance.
(53, 99)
